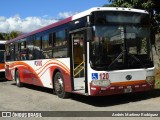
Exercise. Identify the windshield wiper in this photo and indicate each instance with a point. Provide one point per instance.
(120, 55)
(138, 60)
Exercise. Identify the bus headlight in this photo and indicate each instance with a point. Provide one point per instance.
(150, 80)
(102, 83)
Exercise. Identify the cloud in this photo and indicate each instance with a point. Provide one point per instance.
(2, 18)
(4, 25)
(28, 24)
(66, 14)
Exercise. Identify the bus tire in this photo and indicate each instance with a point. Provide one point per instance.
(59, 88)
(17, 79)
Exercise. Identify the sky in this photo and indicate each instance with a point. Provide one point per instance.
(29, 15)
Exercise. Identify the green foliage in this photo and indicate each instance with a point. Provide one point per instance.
(1, 36)
(139, 4)
(9, 36)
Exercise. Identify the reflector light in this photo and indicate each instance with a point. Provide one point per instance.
(136, 86)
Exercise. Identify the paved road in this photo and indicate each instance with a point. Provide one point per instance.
(32, 98)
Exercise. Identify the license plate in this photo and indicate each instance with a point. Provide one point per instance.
(128, 89)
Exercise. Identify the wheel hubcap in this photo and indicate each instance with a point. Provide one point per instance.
(17, 79)
(59, 85)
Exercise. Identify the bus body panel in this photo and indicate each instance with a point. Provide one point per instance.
(119, 83)
(2, 68)
(40, 72)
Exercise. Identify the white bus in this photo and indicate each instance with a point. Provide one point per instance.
(101, 51)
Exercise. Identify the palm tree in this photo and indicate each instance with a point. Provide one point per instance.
(1, 36)
(6, 36)
(11, 35)
(14, 34)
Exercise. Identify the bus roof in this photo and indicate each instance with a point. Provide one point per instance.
(2, 41)
(74, 17)
(41, 29)
(88, 12)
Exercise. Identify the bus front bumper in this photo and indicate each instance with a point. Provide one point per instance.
(122, 88)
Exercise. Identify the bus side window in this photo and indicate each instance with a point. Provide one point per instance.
(37, 53)
(30, 46)
(23, 56)
(17, 54)
(23, 50)
(7, 52)
(45, 46)
(12, 49)
(60, 44)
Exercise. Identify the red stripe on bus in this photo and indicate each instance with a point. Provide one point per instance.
(2, 66)
(129, 83)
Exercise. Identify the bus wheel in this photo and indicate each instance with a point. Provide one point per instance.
(17, 79)
(59, 86)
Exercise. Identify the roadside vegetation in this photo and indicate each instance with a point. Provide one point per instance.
(157, 78)
(157, 61)
(10, 35)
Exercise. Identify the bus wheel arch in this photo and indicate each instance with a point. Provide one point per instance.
(58, 85)
(17, 78)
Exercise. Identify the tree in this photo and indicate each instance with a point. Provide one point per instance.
(11, 35)
(14, 34)
(6, 36)
(1, 36)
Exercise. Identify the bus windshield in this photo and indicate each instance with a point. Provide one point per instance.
(120, 41)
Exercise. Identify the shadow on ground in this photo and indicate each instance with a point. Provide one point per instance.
(112, 100)
(3, 80)
(104, 101)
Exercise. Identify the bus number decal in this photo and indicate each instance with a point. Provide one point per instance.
(104, 76)
(38, 63)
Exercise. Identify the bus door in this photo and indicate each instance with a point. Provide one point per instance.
(78, 61)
